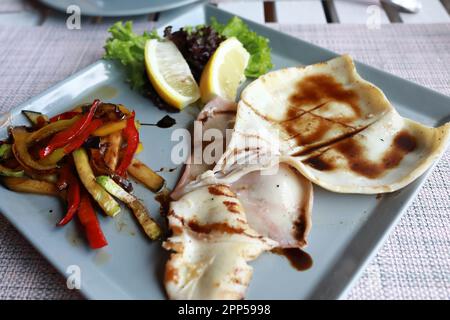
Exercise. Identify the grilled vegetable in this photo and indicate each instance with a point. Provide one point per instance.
(20, 150)
(50, 129)
(139, 149)
(51, 177)
(28, 185)
(118, 109)
(5, 151)
(105, 201)
(132, 137)
(101, 139)
(82, 137)
(109, 128)
(36, 118)
(114, 140)
(54, 157)
(90, 222)
(150, 227)
(58, 154)
(64, 116)
(145, 175)
(64, 137)
(112, 127)
(7, 172)
(73, 193)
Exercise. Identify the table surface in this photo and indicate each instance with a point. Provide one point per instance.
(414, 263)
(31, 12)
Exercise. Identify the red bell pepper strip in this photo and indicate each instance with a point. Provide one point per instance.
(64, 137)
(64, 116)
(78, 141)
(89, 220)
(73, 194)
(132, 137)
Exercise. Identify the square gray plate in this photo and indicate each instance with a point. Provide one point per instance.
(347, 229)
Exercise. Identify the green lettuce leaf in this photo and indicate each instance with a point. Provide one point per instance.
(258, 46)
(128, 48)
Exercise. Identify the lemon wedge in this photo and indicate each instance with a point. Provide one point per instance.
(169, 73)
(224, 71)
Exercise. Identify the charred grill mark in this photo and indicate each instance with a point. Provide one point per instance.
(210, 227)
(405, 142)
(320, 105)
(221, 190)
(323, 125)
(334, 121)
(317, 163)
(299, 227)
(232, 206)
(221, 227)
(402, 144)
(225, 112)
(315, 89)
(171, 274)
(307, 151)
(319, 90)
(310, 112)
(309, 136)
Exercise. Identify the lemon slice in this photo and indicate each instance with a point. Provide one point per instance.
(224, 71)
(169, 74)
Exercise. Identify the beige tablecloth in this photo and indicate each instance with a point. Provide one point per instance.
(415, 260)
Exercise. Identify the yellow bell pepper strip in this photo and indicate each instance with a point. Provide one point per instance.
(20, 150)
(103, 198)
(54, 157)
(66, 136)
(132, 137)
(50, 129)
(145, 175)
(150, 227)
(140, 148)
(90, 222)
(109, 128)
(123, 109)
(64, 116)
(112, 127)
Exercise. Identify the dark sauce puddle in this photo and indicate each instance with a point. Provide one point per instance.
(298, 258)
(164, 123)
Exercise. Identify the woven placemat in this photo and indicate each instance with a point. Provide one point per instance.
(414, 263)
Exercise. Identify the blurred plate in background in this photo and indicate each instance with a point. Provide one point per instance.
(117, 8)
